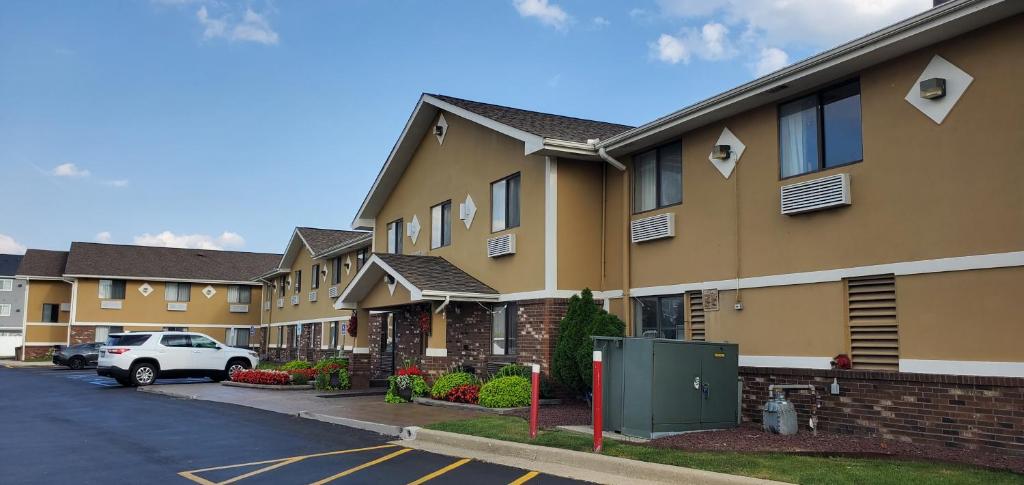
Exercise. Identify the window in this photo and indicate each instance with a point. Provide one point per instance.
(660, 317)
(820, 131)
(361, 258)
(51, 313)
(298, 280)
(503, 333)
(201, 342)
(111, 289)
(280, 337)
(296, 331)
(238, 337)
(314, 279)
(128, 339)
(239, 294)
(177, 291)
(104, 331)
(6, 284)
(5, 309)
(175, 341)
(175, 329)
(441, 225)
(333, 338)
(336, 271)
(395, 237)
(658, 177)
(505, 203)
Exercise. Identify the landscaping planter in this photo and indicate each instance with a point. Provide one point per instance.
(288, 387)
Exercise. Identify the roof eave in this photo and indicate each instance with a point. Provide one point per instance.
(361, 241)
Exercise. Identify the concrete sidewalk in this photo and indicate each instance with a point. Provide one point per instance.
(364, 412)
(19, 363)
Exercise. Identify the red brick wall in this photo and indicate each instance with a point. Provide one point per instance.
(33, 352)
(81, 334)
(985, 413)
(538, 331)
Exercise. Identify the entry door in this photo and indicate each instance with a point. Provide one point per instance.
(388, 343)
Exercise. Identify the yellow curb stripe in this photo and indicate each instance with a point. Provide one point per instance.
(440, 472)
(525, 478)
(364, 465)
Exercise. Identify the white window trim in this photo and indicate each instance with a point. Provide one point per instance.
(5, 309)
(6, 284)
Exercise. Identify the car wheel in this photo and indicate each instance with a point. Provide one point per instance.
(233, 366)
(76, 363)
(143, 374)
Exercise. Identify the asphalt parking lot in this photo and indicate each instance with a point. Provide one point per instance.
(63, 426)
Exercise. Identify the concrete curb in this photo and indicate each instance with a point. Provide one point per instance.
(572, 464)
(385, 429)
(269, 387)
(426, 401)
(157, 390)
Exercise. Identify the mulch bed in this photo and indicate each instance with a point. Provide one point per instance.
(749, 438)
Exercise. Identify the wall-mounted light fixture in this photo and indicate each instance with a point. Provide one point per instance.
(933, 88)
(720, 152)
(438, 130)
(347, 266)
(323, 272)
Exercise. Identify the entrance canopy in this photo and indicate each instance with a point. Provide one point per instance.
(424, 277)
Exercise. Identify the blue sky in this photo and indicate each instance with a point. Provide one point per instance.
(220, 124)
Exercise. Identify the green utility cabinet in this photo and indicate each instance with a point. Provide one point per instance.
(655, 387)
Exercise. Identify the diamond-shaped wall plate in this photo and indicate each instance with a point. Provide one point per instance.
(145, 289)
(348, 264)
(467, 211)
(736, 148)
(413, 229)
(957, 82)
(391, 282)
(208, 292)
(444, 129)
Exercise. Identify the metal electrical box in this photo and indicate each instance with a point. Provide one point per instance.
(655, 387)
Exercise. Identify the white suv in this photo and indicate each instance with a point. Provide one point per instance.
(138, 358)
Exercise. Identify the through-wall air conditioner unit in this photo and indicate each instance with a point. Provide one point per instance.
(280, 302)
(312, 295)
(177, 306)
(295, 299)
(501, 245)
(333, 292)
(111, 304)
(65, 307)
(817, 194)
(266, 305)
(238, 308)
(653, 228)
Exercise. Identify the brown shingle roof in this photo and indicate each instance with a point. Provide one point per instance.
(117, 260)
(41, 262)
(434, 273)
(322, 240)
(541, 124)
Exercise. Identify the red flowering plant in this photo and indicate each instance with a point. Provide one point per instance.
(410, 370)
(258, 376)
(466, 393)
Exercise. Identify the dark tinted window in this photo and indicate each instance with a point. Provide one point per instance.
(127, 339)
(202, 342)
(820, 131)
(175, 341)
(842, 125)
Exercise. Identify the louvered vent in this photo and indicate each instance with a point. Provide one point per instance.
(501, 245)
(654, 227)
(295, 299)
(816, 194)
(696, 316)
(333, 292)
(312, 295)
(874, 335)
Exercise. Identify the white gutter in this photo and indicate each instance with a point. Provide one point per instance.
(440, 308)
(601, 152)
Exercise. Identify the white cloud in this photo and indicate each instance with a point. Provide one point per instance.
(671, 49)
(69, 170)
(547, 13)
(116, 183)
(600, 22)
(772, 59)
(195, 241)
(711, 43)
(253, 27)
(9, 246)
(103, 237)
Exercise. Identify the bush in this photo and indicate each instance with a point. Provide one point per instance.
(417, 383)
(256, 376)
(466, 393)
(295, 365)
(524, 371)
(302, 376)
(505, 392)
(572, 361)
(325, 368)
(444, 384)
(330, 362)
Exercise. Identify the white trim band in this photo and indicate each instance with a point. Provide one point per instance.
(786, 361)
(360, 350)
(436, 352)
(167, 324)
(963, 367)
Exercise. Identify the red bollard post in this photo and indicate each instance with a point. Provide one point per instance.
(598, 410)
(534, 400)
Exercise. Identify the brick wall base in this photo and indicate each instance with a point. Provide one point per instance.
(33, 352)
(978, 413)
(82, 334)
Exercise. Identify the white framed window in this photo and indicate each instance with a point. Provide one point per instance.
(314, 280)
(5, 309)
(111, 290)
(238, 337)
(334, 335)
(6, 284)
(505, 203)
(395, 230)
(239, 294)
(504, 329)
(104, 331)
(658, 178)
(175, 329)
(441, 225)
(298, 281)
(178, 292)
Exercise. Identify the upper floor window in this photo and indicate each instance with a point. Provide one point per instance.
(239, 294)
(441, 225)
(820, 131)
(395, 237)
(177, 291)
(658, 177)
(6, 284)
(314, 279)
(281, 284)
(505, 203)
(361, 258)
(336, 271)
(5, 309)
(51, 313)
(298, 280)
(111, 290)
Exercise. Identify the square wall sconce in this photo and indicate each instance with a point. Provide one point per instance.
(933, 88)
(720, 152)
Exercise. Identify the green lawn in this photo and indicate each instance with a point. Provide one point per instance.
(778, 466)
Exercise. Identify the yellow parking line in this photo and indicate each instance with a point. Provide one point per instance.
(525, 478)
(200, 481)
(261, 470)
(360, 467)
(278, 462)
(440, 472)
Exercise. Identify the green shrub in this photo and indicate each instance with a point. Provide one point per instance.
(444, 384)
(417, 383)
(572, 360)
(296, 365)
(332, 366)
(330, 361)
(524, 371)
(505, 392)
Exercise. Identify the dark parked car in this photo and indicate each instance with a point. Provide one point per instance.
(78, 356)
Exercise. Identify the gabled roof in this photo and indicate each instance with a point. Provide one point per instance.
(320, 243)
(934, 25)
(426, 278)
(149, 262)
(541, 134)
(9, 264)
(42, 263)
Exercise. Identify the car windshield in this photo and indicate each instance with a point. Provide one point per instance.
(127, 340)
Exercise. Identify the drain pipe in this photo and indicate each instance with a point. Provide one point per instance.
(601, 152)
(813, 423)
